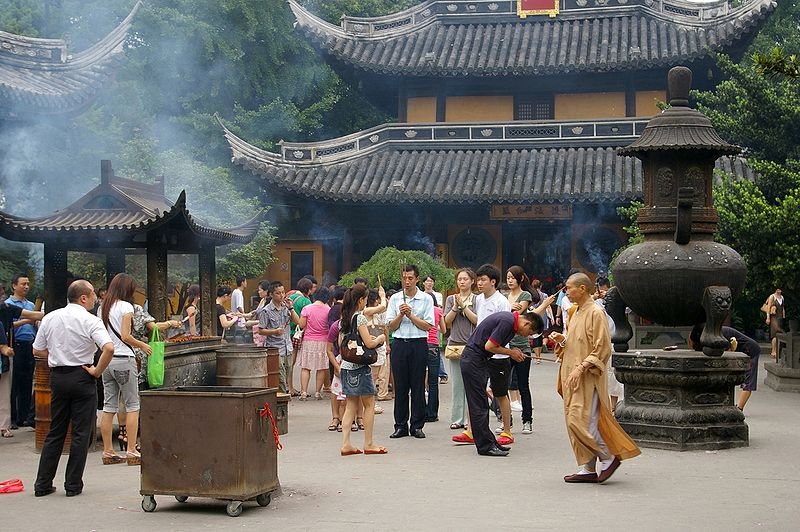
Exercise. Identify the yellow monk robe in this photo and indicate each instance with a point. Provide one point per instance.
(588, 340)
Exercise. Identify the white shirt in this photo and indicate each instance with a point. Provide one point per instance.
(237, 301)
(119, 309)
(71, 335)
(497, 302)
(566, 304)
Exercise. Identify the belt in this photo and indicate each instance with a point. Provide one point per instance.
(124, 356)
(409, 340)
(65, 369)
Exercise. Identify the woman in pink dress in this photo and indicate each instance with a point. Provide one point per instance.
(313, 355)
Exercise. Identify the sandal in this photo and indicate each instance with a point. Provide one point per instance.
(456, 426)
(122, 437)
(339, 428)
(6, 433)
(134, 458)
(294, 393)
(354, 427)
(304, 396)
(360, 423)
(335, 422)
(318, 396)
(110, 458)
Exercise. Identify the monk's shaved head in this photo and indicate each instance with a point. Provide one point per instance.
(581, 279)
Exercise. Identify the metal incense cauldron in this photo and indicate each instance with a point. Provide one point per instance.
(678, 275)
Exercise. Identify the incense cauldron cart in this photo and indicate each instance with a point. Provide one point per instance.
(216, 442)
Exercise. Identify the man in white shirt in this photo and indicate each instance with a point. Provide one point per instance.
(237, 307)
(489, 301)
(69, 337)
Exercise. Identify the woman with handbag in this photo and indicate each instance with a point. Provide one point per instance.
(775, 314)
(120, 379)
(460, 318)
(357, 383)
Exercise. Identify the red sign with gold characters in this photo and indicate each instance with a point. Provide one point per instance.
(537, 7)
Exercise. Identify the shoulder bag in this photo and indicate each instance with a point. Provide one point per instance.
(360, 354)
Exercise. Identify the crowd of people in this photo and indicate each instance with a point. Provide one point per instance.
(481, 339)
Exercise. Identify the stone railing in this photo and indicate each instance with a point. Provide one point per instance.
(440, 135)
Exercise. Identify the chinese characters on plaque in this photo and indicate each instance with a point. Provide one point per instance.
(537, 7)
(549, 211)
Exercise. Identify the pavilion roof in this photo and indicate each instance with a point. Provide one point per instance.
(39, 76)
(116, 210)
(573, 162)
(445, 38)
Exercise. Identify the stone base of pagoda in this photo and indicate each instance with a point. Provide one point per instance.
(681, 400)
(782, 379)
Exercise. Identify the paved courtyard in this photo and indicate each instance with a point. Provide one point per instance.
(433, 484)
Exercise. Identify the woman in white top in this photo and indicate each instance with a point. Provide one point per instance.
(121, 375)
(357, 382)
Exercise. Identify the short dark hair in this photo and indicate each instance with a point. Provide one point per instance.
(311, 278)
(77, 289)
(17, 277)
(411, 268)
(362, 280)
(240, 280)
(273, 285)
(603, 281)
(338, 293)
(431, 277)
(305, 285)
(265, 285)
(491, 271)
(223, 291)
(322, 294)
(535, 319)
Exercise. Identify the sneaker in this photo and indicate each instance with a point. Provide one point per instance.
(498, 430)
(505, 439)
(464, 437)
(527, 427)
(516, 406)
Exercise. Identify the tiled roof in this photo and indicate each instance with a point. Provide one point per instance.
(487, 38)
(458, 171)
(117, 208)
(37, 76)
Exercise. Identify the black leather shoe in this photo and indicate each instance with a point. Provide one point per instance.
(417, 433)
(44, 492)
(494, 451)
(399, 433)
(74, 493)
(502, 447)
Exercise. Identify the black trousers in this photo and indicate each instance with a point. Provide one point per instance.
(475, 373)
(409, 361)
(22, 382)
(74, 398)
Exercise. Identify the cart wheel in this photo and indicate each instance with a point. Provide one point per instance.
(148, 503)
(235, 508)
(181, 498)
(264, 499)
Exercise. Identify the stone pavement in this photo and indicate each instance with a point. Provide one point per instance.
(433, 484)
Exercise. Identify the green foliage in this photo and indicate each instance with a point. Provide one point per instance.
(332, 10)
(250, 260)
(16, 258)
(758, 107)
(387, 262)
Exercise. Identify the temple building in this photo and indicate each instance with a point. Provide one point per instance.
(41, 77)
(508, 113)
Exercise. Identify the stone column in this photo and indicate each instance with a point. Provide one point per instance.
(681, 400)
(157, 276)
(206, 262)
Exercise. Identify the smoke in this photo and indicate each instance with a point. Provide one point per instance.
(417, 240)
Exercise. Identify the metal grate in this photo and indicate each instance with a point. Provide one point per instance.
(536, 108)
(533, 132)
(682, 11)
(391, 25)
(333, 150)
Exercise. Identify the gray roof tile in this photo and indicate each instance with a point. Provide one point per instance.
(482, 42)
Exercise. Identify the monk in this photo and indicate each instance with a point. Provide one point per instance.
(583, 383)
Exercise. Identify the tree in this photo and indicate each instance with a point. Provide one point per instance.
(386, 263)
(758, 107)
